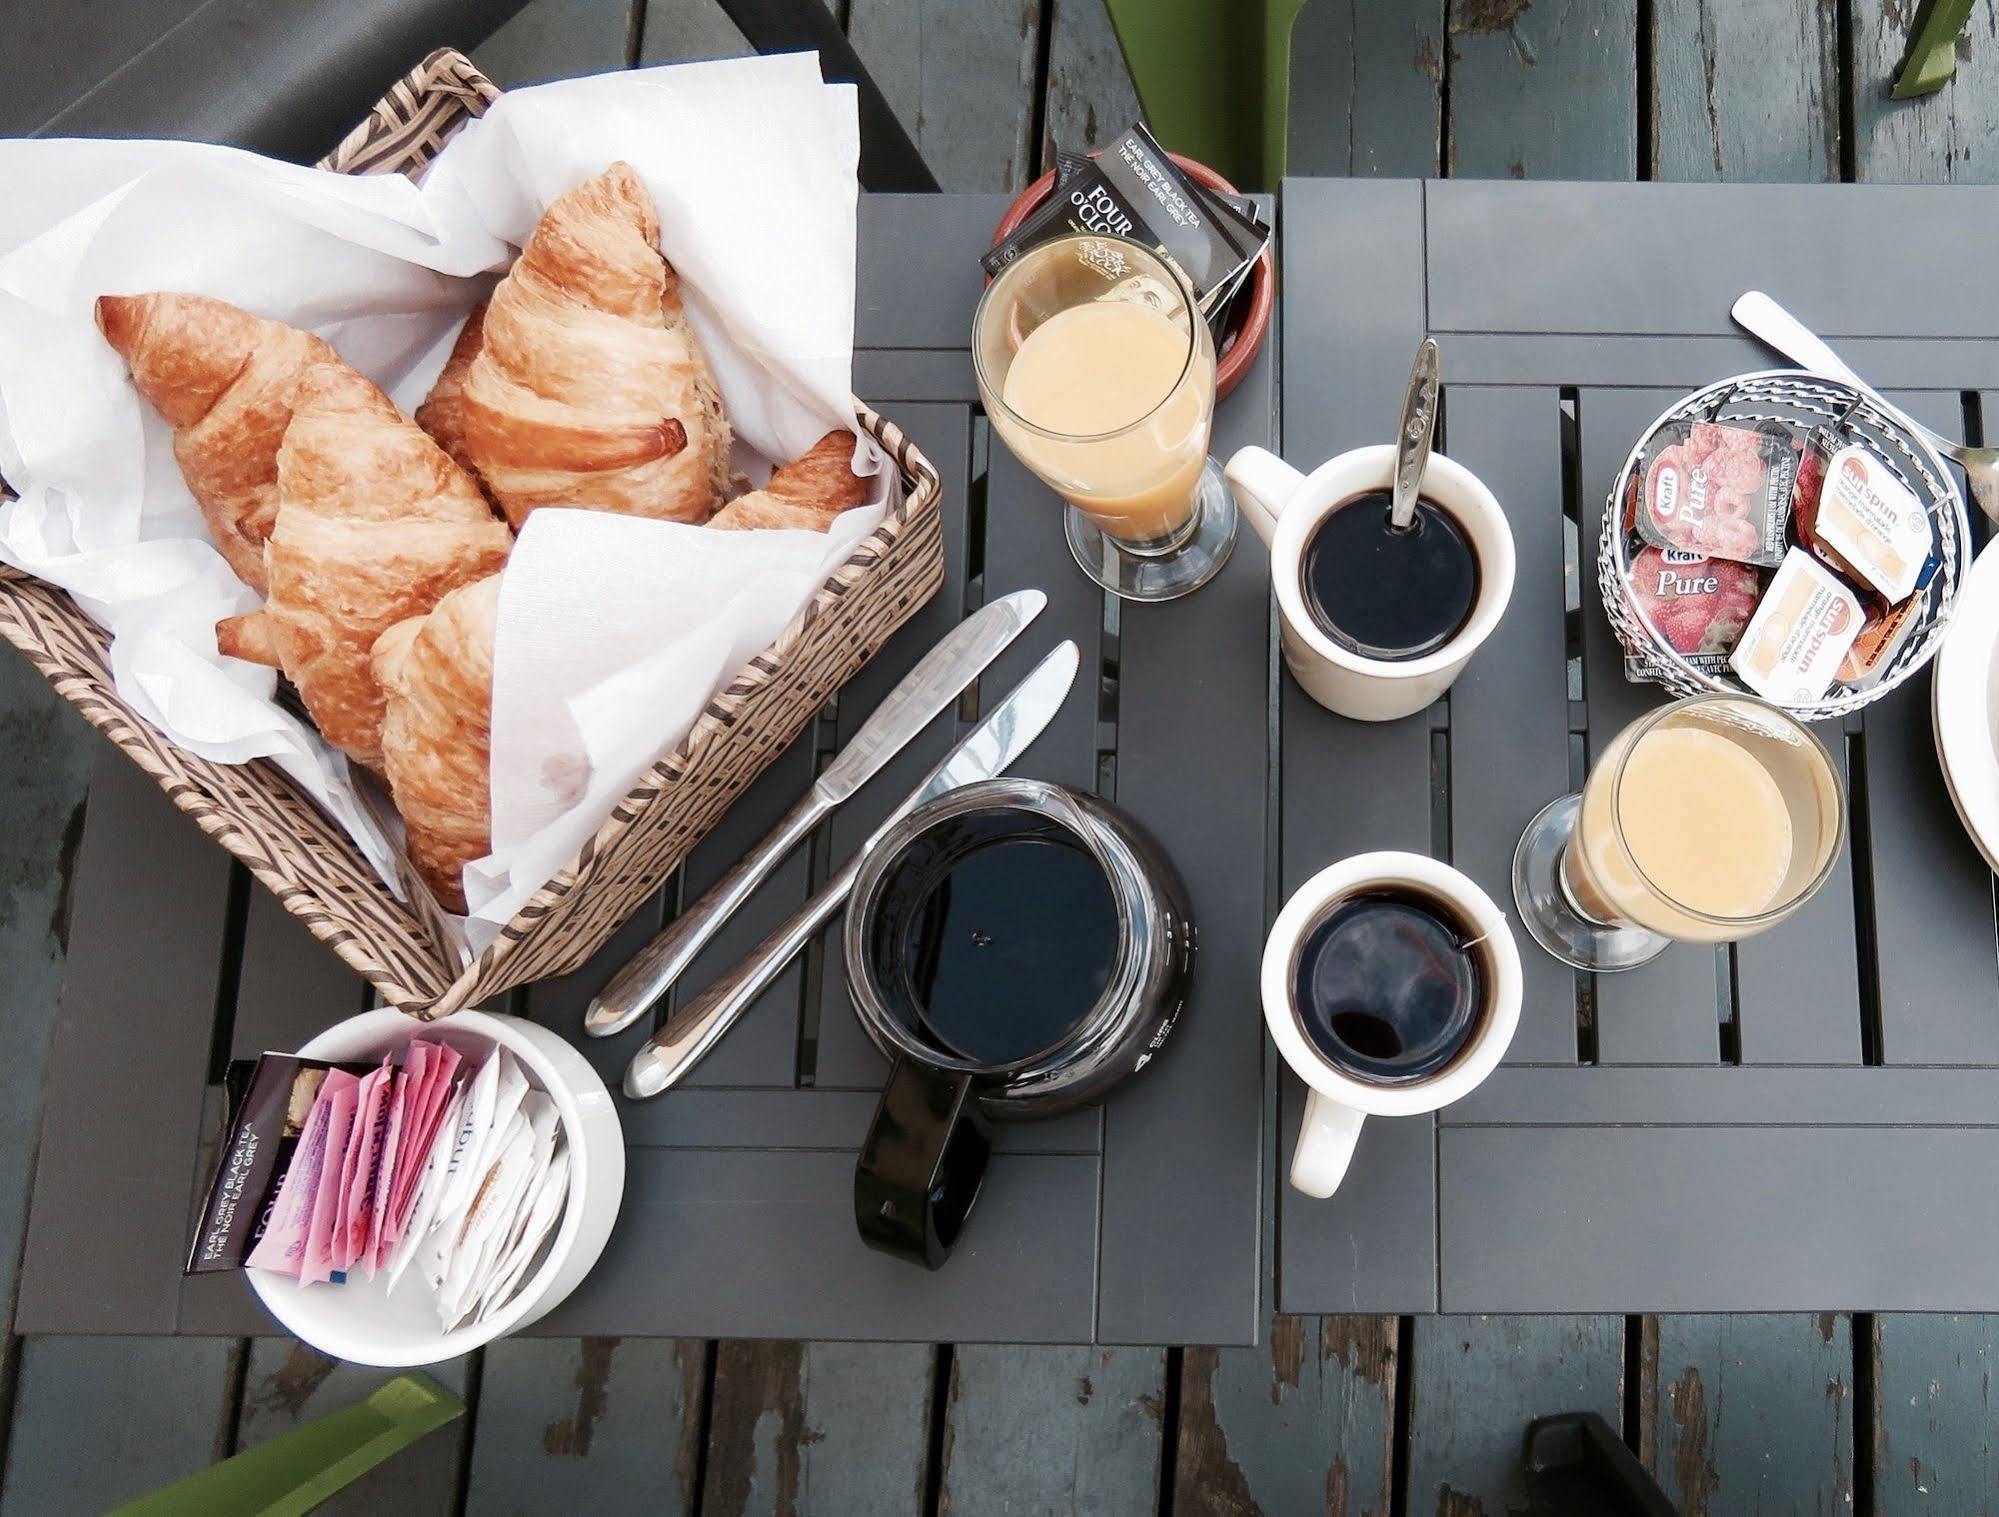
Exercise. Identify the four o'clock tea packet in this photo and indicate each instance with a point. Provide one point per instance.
(332, 1172)
(1133, 189)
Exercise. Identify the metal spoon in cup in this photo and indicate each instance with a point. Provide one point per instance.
(1412, 442)
(1763, 317)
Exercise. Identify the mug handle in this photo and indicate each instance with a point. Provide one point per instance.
(920, 1170)
(1261, 483)
(1325, 1145)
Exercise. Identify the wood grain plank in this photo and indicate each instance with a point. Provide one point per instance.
(560, 39)
(1664, 1012)
(1513, 698)
(1090, 96)
(1745, 89)
(1932, 892)
(961, 79)
(1753, 1414)
(1544, 91)
(842, 1055)
(1304, 1423)
(1068, 1430)
(147, 931)
(1951, 136)
(603, 1425)
(818, 1427)
(1367, 89)
(289, 1384)
(45, 756)
(102, 1421)
(1354, 313)
(1476, 1384)
(1934, 1447)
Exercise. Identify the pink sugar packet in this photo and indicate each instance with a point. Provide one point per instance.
(371, 1116)
(441, 1067)
(376, 1201)
(282, 1248)
(317, 1261)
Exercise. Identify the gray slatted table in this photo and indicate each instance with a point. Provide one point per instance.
(737, 1216)
(1793, 1123)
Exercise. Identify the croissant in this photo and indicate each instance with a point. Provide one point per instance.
(808, 492)
(224, 381)
(374, 524)
(442, 413)
(437, 673)
(583, 384)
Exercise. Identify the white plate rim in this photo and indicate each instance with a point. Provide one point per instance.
(1961, 684)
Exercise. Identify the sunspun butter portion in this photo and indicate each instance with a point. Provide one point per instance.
(1794, 644)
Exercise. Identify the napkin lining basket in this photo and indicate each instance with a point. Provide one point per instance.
(284, 838)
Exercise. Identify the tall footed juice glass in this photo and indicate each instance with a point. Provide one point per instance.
(1704, 821)
(1097, 369)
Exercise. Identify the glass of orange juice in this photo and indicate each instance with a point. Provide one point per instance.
(1097, 368)
(1704, 821)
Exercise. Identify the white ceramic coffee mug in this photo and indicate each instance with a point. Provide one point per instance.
(1286, 507)
(1338, 1101)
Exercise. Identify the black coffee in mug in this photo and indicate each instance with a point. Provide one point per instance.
(1385, 593)
(1387, 986)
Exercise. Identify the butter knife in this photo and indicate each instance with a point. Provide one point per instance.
(936, 681)
(984, 752)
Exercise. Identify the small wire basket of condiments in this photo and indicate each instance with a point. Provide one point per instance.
(1781, 534)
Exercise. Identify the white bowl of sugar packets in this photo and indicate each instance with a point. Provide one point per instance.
(362, 1319)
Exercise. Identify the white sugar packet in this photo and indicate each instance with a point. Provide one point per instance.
(430, 1188)
(751, 162)
(537, 1222)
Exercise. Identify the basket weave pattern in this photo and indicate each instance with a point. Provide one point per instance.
(1805, 401)
(285, 840)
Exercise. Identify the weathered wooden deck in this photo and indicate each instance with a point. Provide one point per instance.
(1767, 1414)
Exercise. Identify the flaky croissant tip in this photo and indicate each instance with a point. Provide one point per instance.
(117, 317)
(391, 650)
(249, 638)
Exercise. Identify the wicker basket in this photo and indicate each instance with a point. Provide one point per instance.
(1802, 402)
(287, 842)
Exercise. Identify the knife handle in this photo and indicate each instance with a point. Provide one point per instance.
(633, 990)
(696, 1027)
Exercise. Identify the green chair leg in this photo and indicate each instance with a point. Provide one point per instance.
(1932, 48)
(291, 1475)
(1214, 77)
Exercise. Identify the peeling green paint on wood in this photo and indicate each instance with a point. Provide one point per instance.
(801, 1428)
(1938, 1426)
(1543, 91)
(1951, 136)
(288, 1383)
(1745, 89)
(102, 1421)
(1476, 1384)
(1753, 1413)
(603, 1425)
(1071, 1431)
(1305, 1423)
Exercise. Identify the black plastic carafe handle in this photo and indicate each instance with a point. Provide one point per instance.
(920, 1170)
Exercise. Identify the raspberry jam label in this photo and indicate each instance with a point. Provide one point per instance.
(1719, 490)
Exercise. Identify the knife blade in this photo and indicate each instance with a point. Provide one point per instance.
(936, 680)
(987, 750)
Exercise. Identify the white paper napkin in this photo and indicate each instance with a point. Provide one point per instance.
(598, 669)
